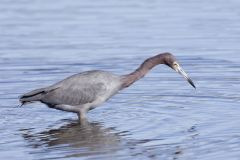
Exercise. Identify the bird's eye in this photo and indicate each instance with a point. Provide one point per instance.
(175, 64)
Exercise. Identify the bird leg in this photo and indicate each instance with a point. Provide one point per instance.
(82, 115)
(80, 110)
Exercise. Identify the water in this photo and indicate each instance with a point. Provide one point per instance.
(159, 117)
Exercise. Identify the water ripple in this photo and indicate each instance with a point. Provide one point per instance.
(160, 116)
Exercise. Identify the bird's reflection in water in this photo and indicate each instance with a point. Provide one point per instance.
(74, 140)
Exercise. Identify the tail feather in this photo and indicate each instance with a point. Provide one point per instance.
(34, 95)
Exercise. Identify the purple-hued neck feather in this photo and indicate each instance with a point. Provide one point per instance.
(145, 67)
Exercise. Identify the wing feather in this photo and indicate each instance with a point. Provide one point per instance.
(74, 94)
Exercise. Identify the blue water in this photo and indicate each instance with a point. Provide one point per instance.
(159, 117)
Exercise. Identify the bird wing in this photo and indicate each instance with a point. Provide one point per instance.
(75, 94)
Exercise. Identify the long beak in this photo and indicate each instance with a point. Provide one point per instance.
(184, 74)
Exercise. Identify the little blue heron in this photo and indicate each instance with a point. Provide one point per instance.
(85, 91)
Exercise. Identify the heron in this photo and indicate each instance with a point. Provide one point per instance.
(85, 91)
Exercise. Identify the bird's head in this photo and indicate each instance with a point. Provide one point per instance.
(172, 62)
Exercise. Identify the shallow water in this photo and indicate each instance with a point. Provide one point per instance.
(159, 117)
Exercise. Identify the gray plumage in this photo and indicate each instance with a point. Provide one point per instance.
(82, 88)
(84, 91)
(77, 93)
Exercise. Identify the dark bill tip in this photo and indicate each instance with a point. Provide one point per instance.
(184, 74)
(191, 82)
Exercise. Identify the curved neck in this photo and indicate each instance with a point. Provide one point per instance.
(142, 70)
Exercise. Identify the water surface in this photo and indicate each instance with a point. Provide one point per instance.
(159, 117)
